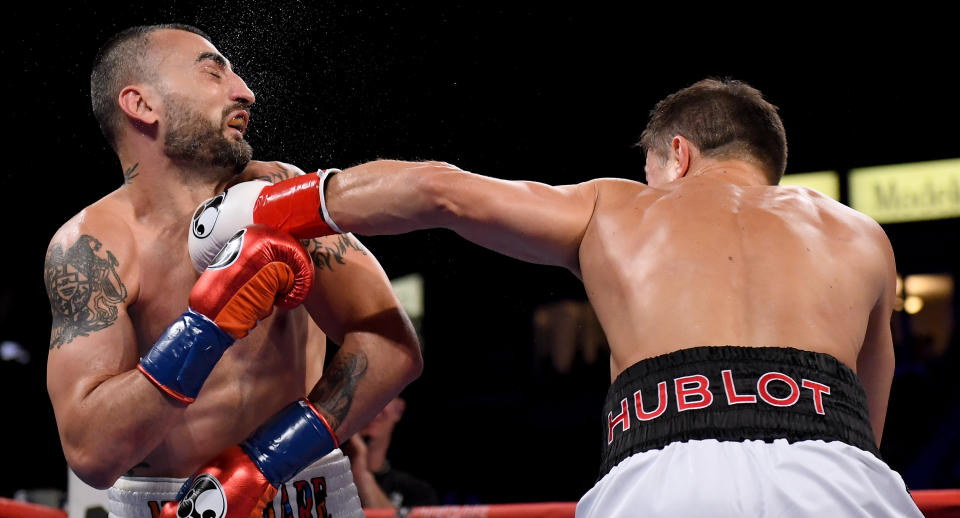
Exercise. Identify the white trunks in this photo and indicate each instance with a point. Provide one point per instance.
(323, 489)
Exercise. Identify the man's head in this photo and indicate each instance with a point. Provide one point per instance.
(724, 119)
(170, 83)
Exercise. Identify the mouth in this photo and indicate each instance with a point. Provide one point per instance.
(239, 121)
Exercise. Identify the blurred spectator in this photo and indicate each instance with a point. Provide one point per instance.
(379, 484)
(566, 329)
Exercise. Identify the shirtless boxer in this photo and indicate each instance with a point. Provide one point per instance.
(749, 324)
(140, 405)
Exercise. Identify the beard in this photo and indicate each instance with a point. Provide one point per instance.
(192, 138)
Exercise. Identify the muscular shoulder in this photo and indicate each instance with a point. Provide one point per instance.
(615, 192)
(93, 251)
(107, 220)
(849, 225)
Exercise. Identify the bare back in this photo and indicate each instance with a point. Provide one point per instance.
(710, 258)
(702, 261)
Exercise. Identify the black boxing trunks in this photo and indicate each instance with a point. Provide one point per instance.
(741, 431)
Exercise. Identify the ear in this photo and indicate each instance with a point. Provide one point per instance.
(680, 150)
(136, 102)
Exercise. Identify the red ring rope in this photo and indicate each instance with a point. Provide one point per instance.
(933, 503)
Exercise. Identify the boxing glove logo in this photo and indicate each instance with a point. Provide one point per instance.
(204, 499)
(206, 216)
(230, 251)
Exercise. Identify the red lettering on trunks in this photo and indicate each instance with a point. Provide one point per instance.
(818, 390)
(623, 419)
(732, 397)
(701, 388)
(661, 403)
(765, 394)
(693, 392)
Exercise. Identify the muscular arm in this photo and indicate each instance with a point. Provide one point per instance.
(353, 302)
(108, 414)
(530, 221)
(875, 364)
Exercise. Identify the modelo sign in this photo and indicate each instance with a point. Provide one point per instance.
(907, 192)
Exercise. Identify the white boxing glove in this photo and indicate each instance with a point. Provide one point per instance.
(295, 206)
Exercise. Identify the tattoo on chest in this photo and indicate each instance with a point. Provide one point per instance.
(84, 289)
(130, 173)
(326, 254)
(333, 394)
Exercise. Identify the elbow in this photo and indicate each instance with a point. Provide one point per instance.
(94, 470)
(438, 183)
(99, 460)
(414, 365)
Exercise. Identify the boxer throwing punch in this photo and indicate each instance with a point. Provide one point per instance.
(749, 324)
(155, 373)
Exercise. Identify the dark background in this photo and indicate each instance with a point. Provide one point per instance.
(557, 95)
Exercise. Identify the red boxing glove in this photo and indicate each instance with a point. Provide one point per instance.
(257, 268)
(295, 206)
(231, 477)
(242, 480)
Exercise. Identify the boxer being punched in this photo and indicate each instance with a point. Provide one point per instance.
(751, 353)
(153, 373)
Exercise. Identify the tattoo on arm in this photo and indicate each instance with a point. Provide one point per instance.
(326, 255)
(130, 173)
(333, 394)
(279, 174)
(84, 289)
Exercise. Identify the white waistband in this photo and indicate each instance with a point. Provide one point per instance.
(140, 497)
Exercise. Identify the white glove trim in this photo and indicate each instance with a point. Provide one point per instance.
(325, 175)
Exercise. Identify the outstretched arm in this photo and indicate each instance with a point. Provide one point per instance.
(353, 302)
(530, 221)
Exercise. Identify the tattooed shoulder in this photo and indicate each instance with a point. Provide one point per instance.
(331, 251)
(84, 289)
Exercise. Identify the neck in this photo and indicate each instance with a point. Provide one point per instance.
(166, 190)
(733, 171)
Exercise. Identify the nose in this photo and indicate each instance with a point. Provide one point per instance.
(240, 93)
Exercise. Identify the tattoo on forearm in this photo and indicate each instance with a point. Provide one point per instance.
(325, 254)
(130, 173)
(333, 394)
(84, 289)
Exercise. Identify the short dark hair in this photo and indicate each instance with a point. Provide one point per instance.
(724, 118)
(120, 61)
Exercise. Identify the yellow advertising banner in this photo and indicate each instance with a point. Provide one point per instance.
(827, 182)
(907, 192)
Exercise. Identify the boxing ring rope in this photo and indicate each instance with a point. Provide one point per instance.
(934, 503)
(16, 509)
